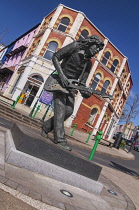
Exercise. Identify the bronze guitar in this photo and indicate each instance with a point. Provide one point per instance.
(53, 84)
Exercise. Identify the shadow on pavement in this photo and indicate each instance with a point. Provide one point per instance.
(124, 169)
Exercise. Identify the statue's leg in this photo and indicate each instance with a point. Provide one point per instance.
(59, 116)
(48, 125)
(69, 105)
(63, 108)
(64, 105)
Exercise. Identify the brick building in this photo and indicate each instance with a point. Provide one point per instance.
(110, 70)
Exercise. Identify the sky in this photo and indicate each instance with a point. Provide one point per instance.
(117, 20)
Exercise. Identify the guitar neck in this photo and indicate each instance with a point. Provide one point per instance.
(103, 94)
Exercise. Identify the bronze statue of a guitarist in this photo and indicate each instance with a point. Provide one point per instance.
(70, 74)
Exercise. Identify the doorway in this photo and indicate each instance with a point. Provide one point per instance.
(30, 94)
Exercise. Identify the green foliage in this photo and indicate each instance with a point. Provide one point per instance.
(123, 144)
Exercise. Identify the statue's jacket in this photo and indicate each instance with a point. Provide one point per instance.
(73, 62)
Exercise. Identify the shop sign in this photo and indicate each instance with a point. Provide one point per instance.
(46, 97)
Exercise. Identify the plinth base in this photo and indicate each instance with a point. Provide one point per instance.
(29, 153)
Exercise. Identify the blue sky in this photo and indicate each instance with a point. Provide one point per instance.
(117, 20)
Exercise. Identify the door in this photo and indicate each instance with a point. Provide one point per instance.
(30, 94)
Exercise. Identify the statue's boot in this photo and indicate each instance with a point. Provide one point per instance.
(44, 134)
(64, 145)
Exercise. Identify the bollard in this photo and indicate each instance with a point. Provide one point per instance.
(32, 111)
(98, 138)
(15, 102)
(37, 109)
(118, 140)
(75, 125)
(89, 136)
(43, 118)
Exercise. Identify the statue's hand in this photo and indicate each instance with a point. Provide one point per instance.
(64, 80)
(86, 93)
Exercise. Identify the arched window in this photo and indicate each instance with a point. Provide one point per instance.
(96, 81)
(37, 77)
(52, 46)
(105, 86)
(63, 24)
(106, 58)
(92, 116)
(84, 35)
(114, 65)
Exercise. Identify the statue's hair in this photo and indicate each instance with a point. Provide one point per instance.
(95, 39)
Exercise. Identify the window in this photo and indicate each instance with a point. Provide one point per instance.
(84, 35)
(52, 46)
(92, 116)
(37, 77)
(96, 81)
(105, 86)
(110, 127)
(63, 24)
(114, 65)
(106, 58)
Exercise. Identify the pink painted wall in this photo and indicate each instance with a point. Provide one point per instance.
(14, 60)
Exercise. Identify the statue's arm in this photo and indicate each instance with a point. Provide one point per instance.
(88, 91)
(86, 73)
(58, 56)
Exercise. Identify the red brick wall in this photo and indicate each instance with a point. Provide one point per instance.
(85, 110)
(93, 30)
(65, 12)
(52, 35)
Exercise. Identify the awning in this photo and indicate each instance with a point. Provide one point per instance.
(16, 51)
(7, 70)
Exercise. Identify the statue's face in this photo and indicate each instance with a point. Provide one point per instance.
(92, 50)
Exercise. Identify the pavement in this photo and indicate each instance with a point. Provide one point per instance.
(79, 138)
(119, 191)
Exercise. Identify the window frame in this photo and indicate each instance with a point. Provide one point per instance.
(115, 66)
(95, 82)
(49, 50)
(104, 90)
(92, 116)
(62, 24)
(105, 58)
(81, 36)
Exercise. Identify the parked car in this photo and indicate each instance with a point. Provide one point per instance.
(136, 146)
(129, 142)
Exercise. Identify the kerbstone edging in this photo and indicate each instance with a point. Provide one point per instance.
(22, 160)
(9, 143)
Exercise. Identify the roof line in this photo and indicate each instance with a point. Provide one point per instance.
(52, 11)
(21, 36)
(95, 27)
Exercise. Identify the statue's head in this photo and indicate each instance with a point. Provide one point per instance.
(92, 45)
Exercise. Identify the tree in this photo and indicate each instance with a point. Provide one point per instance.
(131, 110)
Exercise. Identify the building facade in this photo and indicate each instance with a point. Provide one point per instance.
(12, 55)
(128, 130)
(110, 71)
